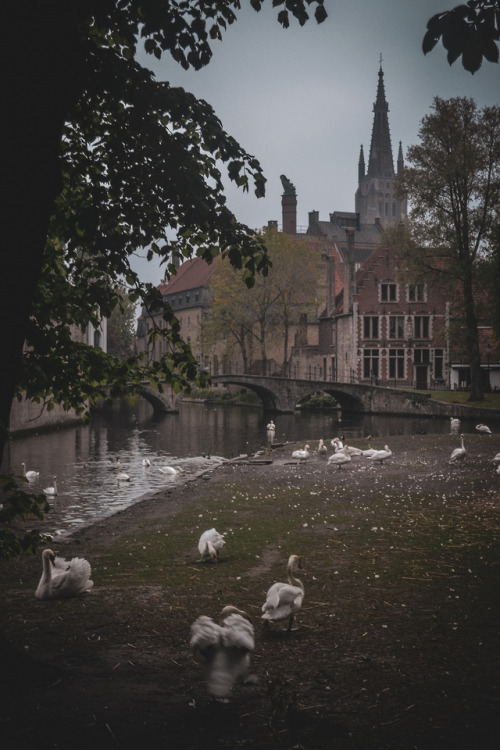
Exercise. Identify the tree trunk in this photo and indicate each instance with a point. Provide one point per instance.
(472, 339)
(43, 53)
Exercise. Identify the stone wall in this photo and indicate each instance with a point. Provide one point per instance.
(27, 416)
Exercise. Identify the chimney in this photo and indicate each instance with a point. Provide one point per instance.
(289, 213)
(313, 222)
(349, 270)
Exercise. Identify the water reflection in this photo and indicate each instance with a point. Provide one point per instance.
(84, 457)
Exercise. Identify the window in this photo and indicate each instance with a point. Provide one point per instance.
(396, 363)
(416, 293)
(370, 363)
(421, 356)
(396, 326)
(388, 292)
(438, 364)
(421, 326)
(370, 326)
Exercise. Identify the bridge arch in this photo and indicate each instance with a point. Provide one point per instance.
(162, 403)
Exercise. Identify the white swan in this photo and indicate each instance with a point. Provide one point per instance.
(454, 423)
(322, 449)
(210, 544)
(483, 429)
(284, 600)
(337, 444)
(224, 649)
(51, 490)
(121, 476)
(369, 452)
(381, 455)
(339, 458)
(30, 475)
(301, 454)
(61, 578)
(459, 453)
(146, 463)
(170, 470)
(496, 458)
(271, 426)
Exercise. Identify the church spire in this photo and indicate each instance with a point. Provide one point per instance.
(380, 162)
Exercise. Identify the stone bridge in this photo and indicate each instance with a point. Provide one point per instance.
(281, 395)
(162, 402)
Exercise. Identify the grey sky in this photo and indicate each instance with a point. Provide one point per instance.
(301, 99)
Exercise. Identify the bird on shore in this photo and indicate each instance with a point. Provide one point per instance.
(210, 544)
(51, 490)
(337, 443)
(459, 453)
(381, 455)
(483, 429)
(301, 454)
(322, 449)
(224, 649)
(339, 458)
(271, 426)
(496, 458)
(30, 475)
(62, 579)
(454, 423)
(284, 600)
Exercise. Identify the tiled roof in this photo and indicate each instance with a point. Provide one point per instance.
(192, 274)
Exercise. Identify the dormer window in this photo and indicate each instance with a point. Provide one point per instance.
(388, 292)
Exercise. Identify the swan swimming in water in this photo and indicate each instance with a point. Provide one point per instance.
(62, 579)
(121, 476)
(210, 544)
(339, 457)
(170, 470)
(51, 490)
(224, 648)
(483, 429)
(284, 600)
(459, 453)
(301, 454)
(30, 475)
(146, 463)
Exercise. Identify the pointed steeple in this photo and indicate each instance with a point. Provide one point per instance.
(380, 163)
(401, 163)
(361, 164)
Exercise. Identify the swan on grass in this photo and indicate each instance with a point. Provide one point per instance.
(30, 475)
(51, 490)
(340, 457)
(62, 579)
(381, 455)
(284, 600)
(459, 454)
(271, 426)
(454, 423)
(301, 454)
(322, 449)
(496, 458)
(210, 544)
(224, 649)
(483, 429)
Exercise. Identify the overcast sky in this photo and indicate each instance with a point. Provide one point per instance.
(301, 99)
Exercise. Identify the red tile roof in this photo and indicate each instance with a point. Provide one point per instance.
(192, 274)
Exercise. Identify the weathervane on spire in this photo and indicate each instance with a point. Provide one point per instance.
(380, 61)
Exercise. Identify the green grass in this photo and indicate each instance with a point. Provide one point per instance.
(490, 401)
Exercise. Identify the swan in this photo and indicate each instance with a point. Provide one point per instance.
(224, 649)
(146, 463)
(380, 455)
(51, 490)
(210, 544)
(459, 453)
(301, 454)
(483, 429)
(337, 444)
(454, 423)
(61, 578)
(322, 449)
(170, 470)
(339, 458)
(30, 475)
(121, 476)
(368, 452)
(284, 600)
(496, 458)
(271, 426)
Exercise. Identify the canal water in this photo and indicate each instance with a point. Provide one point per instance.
(84, 457)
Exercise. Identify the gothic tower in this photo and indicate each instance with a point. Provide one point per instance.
(375, 198)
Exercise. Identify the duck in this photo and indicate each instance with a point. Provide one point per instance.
(271, 426)
(30, 475)
(380, 455)
(483, 429)
(284, 600)
(459, 454)
(301, 454)
(224, 649)
(51, 490)
(339, 457)
(210, 544)
(322, 449)
(62, 579)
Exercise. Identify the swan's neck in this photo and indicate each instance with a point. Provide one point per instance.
(294, 581)
(47, 570)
